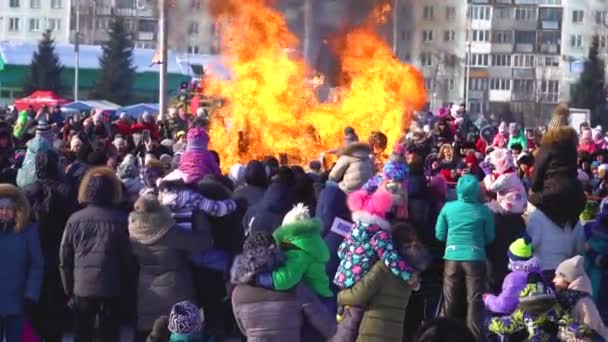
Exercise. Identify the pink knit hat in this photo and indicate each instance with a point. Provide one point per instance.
(198, 140)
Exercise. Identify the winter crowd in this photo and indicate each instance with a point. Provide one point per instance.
(461, 231)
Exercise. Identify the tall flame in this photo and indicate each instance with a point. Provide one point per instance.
(271, 107)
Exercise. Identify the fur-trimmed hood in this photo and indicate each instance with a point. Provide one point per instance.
(22, 206)
(356, 150)
(560, 136)
(371, 219)
(100, 185)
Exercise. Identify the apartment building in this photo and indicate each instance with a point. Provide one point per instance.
(25, 20)
(191, 29)
(583, 19)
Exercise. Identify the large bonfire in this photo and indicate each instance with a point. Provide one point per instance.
(271, 108)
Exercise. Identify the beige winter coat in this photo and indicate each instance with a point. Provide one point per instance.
(353, 168)
(585, 310)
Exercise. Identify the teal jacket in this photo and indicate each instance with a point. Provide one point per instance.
(520, 138)
(465, 225)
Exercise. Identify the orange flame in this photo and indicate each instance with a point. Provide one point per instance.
(271, 106)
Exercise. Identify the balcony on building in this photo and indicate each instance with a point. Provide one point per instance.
(524, 73)
(476, 94)
(525, 2)
(550, 18)
(522, 96)
(551, 49)
(500, 95)
(524, 47)
(146, 36)
(503, 2)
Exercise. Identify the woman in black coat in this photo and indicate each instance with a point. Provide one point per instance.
(555, 189)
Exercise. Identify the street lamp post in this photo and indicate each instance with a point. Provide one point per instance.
(162, 96)
(77, 51)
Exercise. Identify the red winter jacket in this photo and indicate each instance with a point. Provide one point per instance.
(141, 126)
(123, 128)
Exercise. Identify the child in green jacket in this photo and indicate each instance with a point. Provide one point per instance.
(305, 255)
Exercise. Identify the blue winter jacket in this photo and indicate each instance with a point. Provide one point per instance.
(466, 225)
(21, 269)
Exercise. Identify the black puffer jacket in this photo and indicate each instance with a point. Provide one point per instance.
(95, 254)
(555, 189)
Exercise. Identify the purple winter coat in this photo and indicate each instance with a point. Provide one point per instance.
(508, 300)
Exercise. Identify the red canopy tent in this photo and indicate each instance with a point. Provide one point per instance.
(39, 98)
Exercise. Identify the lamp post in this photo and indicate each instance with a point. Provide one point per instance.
(77, 51)
(162, 37)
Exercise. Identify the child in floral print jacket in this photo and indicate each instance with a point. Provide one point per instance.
(369, 240)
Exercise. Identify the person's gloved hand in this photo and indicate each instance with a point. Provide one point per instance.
(486, 168)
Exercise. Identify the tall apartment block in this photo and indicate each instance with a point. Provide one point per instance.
(191, 29)
(517, 56)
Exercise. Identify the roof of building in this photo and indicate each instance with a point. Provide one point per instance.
(20, 53)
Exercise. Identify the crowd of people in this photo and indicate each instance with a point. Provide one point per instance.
(461, 231)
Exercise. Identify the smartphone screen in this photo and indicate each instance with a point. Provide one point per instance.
(145, 136)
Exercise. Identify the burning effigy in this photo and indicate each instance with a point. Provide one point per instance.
(270, 106)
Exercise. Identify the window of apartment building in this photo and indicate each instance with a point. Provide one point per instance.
(500, 84)
(34, 3)
(449, 59)
(56, 4)
(578, 16)
(525, 37)
(523, 86)
(502, 60)
(13, 3)
(406, 35)
(451, 84)
(193, 28)
(479, 59)
(549, 61)
(428, 12)
(478, 84)
(502, 37)
(146, 26)
(479, 12)
(427, 35)
(481, 35)
(428, 83)
(449, 36)
(193, 49)
(125, 3)
(195, 4)
(550, 2)
(426, 59)
(550, 14)
(549, 86)
(525, 13)
(13, 24)
(503, 12)
(601, 17)
(54, 24)
(523, 61)
(601, 41)
(34, 24)
(576, 40)
(407, 57)
(103, 23)
(450, 13)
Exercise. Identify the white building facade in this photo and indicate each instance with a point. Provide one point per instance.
(26, 20)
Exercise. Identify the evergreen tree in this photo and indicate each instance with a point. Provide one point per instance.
(117, 72)
(45, 70)
(590, 90)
